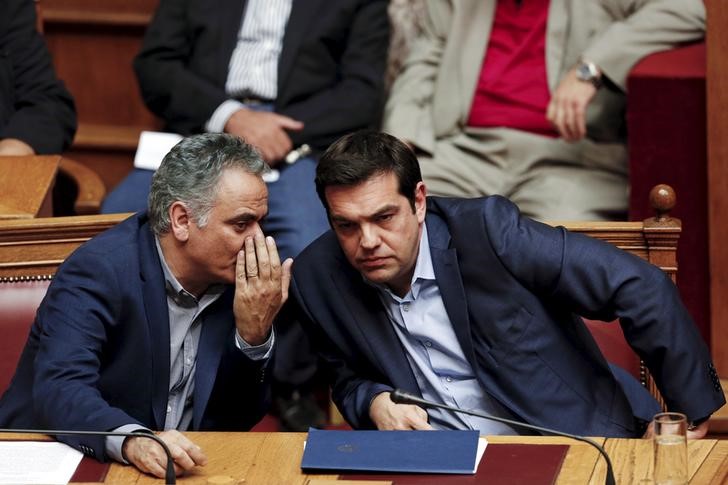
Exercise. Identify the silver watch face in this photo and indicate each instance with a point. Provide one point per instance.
(584, 72)
(588, 72)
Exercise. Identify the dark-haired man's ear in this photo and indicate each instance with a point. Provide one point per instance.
(420, 201)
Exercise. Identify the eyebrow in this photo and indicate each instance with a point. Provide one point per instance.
(378, 212)
(246, 217)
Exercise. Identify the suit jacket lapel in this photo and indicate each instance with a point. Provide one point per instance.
(216, 336)
(230, 16)
(556, 30)
(299, 22)
(369, 322)
(155, 306)
(449, 280)
(471, 29)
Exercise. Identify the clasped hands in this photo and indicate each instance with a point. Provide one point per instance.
(264, 130)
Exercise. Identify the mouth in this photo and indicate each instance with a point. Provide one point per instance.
(372, 263)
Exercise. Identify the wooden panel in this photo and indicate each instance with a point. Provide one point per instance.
(27, 184)
(37, 246)
(93, 44)
(717, 45)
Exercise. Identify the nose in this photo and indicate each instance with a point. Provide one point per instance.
(369, 237)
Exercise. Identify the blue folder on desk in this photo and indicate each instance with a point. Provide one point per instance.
(391, 451)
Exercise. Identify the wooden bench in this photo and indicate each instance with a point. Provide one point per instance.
(30, 252)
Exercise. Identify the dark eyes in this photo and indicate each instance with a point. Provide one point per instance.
(385, 217)
(343, 226)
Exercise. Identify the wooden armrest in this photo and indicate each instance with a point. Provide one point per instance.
(91, 189)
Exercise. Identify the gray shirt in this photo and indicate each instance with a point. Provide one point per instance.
(186, 317)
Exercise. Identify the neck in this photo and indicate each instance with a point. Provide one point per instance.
(179, 266)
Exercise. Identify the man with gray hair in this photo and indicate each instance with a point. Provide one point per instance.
(163, 322)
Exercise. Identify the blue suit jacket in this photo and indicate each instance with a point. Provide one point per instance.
(512, 288)
(98, 352)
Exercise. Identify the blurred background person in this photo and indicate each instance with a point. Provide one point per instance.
(526, 99)
(37, 113)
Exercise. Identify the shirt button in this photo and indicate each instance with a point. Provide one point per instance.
(428, 344)
(405, 307)
(189, 361)
(169, 409)
(448, 379)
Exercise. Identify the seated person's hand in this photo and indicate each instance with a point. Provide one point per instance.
(567, 109)
(388, 415)
(261, 288)
(693, 434)
(148, 456)
(264, 130)
(15, 147)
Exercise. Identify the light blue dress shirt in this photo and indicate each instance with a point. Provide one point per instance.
(434, 353)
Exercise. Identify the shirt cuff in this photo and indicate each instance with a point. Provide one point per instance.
(256, 352)
(115, 443)
(220, 117)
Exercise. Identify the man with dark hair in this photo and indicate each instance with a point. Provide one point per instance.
(164, 321)
(467, 303)
(37, 114)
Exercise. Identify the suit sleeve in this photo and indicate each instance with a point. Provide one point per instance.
(644, 27)
(185, 99)
(408, 112)
(355, 100)
(37, 108)
(75, 321)
(599, 281)
(352, 390)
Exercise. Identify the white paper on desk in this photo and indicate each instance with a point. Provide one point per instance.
(35, 462)
(482, 443)
(153, 146)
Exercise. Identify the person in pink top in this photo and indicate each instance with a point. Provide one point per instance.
(526, 98)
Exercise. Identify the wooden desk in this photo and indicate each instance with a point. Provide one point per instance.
(275, 458)
(27, 186)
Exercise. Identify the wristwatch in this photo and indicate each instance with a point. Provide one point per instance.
(588, 72)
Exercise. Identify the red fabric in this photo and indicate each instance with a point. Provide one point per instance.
(512, 89)
(502, 464)
(18, 303)
(666, 119)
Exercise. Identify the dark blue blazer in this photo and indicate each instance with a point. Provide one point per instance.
(98, 352)
(330, 70)
(512, 288)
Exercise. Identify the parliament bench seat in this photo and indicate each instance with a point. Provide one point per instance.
(30, 252)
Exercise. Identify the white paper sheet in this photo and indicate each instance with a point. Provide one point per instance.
(154, 145)
(482, 443)
(37, 462)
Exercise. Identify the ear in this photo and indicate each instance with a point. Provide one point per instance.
(180, 220)
(421, 201)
